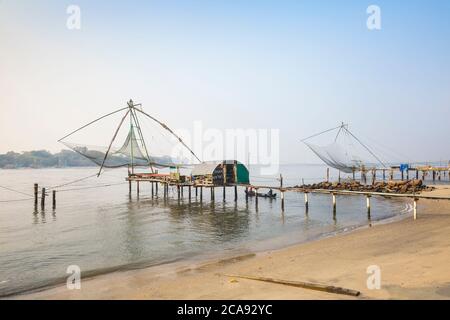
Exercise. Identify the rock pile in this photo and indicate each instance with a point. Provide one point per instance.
(408, 186)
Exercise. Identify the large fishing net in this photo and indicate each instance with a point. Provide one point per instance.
(346, 153)
(130, 137)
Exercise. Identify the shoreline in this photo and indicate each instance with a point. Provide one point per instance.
(206, 281)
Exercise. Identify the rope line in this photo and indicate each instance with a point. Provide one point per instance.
(93, 187)
(9, 189)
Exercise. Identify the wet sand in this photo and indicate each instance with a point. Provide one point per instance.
(413, 256)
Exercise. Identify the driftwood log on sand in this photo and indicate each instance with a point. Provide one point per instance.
(302, 284)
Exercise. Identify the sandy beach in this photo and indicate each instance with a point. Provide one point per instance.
(413, 257)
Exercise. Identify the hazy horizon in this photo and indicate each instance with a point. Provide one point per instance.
(297, 66)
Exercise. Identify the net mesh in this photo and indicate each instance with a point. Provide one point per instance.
(345, 153)
(133, 139)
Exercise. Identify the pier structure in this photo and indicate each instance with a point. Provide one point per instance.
(425, 173)
(165, 182)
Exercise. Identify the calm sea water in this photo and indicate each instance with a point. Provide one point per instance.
(103, 229)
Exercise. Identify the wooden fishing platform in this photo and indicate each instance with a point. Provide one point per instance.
(164, 181)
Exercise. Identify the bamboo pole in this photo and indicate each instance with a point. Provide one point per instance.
(302, 284)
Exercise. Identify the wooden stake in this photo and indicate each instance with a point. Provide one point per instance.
(137, 187)
(334, 204)
(306, 200)
(36, 194)
(201, 194)
(415, 208)
(189, 193)
(282, 200)
(368, 205)
(43, 198)
(54, 199)
(235, 193)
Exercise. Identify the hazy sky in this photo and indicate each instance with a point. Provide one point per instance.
(299, 66)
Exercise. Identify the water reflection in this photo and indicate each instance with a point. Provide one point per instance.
(110, 228)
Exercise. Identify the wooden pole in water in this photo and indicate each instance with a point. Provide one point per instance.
(178, 191)
(235, 193)
(415, 208)
(153, 191)
(182, 191)
(334, 204)
(306, 200)
(54, 199)
(156, 191)
(282, 200)
(36, 194)
(196, 192)
(368, 204)
(189, 193)
(129, 186)
(137, 187)
(256, 197)
(434, 176)
(212, 193)
(201, 193)
(224, 192)
(43, 198)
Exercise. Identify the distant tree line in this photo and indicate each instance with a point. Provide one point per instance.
(43, 159)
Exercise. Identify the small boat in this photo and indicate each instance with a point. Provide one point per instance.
(252, 193)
